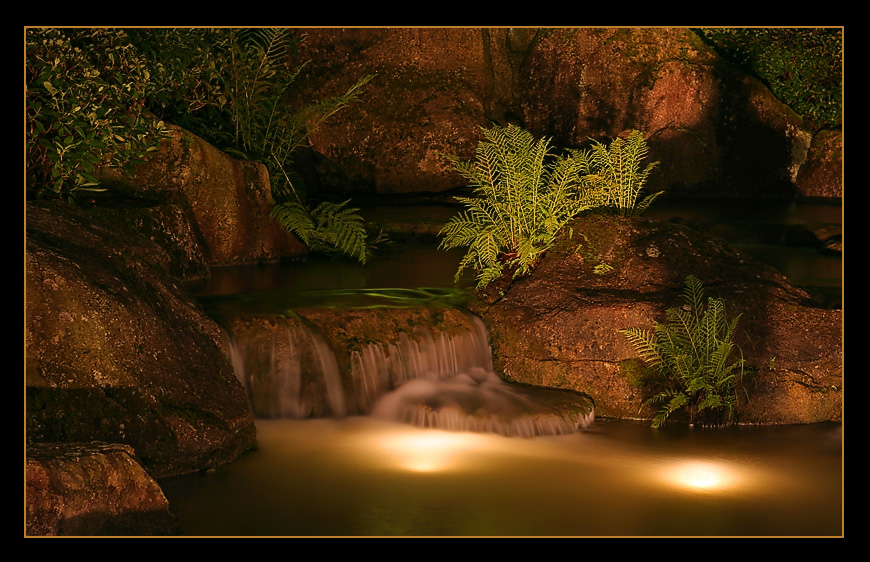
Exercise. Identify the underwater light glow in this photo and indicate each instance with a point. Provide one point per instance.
(429, 450)
(702, 475)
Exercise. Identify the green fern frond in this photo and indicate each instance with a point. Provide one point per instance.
(523, 197)
(693, 293)
(614, 174)
(329, 227)
(646, 345)
(695, 351)
(296, 218)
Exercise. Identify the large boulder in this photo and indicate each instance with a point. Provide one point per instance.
(429, 96)
(92, 489)
(117, 351)
(717, 132)
(202, 205)
(559, 327)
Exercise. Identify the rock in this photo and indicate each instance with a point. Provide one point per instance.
(92, 489)
(428, 97)
(117, 351)
(171, 228)
(223, 203)
(560, 326)
(822, 176)
(717, 132)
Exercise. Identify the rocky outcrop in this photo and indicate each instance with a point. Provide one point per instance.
(717, 132)
(86, 489)
(822, 176)
(560, 326)
(117, 351)
(201, 205)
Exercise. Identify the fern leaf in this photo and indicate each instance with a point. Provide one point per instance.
(296, 218)
(329, 227)
(645, 344)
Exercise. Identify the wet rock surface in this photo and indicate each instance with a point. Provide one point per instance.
(117, 351)
(87, 489)
(560, 326)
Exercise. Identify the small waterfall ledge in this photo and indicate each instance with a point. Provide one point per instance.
(427, 366)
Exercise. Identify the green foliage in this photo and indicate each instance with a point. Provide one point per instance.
(256, 73)
(238, 100)
(328, 228)
(614, 173)
(85, 108)
(523, 197)
(803, 67)
(691, 356)
(91, 94)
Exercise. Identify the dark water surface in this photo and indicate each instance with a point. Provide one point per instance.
(423, 265)
(363, 477)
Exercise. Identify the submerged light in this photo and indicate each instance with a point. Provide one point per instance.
(429, 450)
(702, 475)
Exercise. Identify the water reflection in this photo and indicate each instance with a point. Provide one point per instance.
(361, 476)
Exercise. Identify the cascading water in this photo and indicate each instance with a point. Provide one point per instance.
(429, 376)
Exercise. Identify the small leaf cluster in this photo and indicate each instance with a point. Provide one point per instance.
(697, 365)
(85, 108)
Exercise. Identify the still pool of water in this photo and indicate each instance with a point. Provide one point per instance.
(363, 477)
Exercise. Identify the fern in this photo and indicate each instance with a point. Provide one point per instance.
(261, 73)
(523, 196)
(615, 173)
(693, 356)
(329, 227)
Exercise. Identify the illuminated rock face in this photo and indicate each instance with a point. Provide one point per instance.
(719, 133)
(219, 205)
(560, 326)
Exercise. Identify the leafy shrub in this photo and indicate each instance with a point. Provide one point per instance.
(523, 197)
(91, 94)
(803, 67)
(614, 173)
(691, 356)
(85, 108)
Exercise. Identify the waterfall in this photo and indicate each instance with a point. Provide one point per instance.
(287, 372)
(437, 374)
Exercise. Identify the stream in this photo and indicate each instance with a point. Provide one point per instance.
(366, 475)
